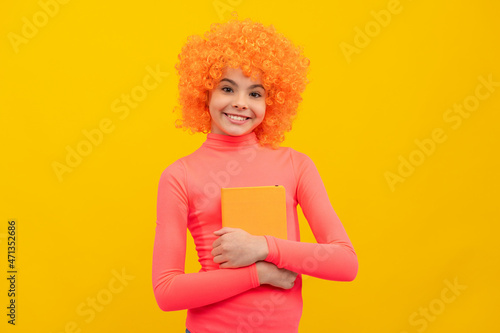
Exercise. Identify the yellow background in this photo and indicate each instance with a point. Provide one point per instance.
(361, 114)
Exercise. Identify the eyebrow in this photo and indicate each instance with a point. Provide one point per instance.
(251, 87)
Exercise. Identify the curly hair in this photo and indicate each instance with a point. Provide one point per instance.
(260, 52)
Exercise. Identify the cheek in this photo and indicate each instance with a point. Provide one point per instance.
(218, 102)
(261, 111)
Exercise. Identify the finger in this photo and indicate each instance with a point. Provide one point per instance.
(216, 243)
(219, 259)
(223, 231)
(220, 232)
(226, 265)
(217, 251)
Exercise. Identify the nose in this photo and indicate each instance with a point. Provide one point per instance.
(239, 107)
(240, 103)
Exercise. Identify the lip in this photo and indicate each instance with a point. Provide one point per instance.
(235, 121)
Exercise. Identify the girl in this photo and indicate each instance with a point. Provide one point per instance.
(241, 85)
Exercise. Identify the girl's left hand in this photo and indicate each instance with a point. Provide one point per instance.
(237, 248)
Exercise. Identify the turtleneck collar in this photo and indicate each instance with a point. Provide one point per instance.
(227, 141)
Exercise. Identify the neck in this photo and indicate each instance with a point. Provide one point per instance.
(222, 140)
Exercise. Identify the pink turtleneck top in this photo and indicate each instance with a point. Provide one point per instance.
(232, 299)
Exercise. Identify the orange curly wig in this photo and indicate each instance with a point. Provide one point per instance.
(260, 52)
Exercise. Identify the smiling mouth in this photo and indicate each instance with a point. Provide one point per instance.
(236, 117)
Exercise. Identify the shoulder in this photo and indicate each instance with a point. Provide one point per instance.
(297, 157)
(303, 165)
(178, 167)
(175, 170)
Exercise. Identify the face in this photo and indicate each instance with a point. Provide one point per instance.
(237, 104)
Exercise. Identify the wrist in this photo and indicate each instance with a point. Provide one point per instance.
(260, 266)
(263, 248)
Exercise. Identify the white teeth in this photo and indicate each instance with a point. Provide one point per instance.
(235, 117)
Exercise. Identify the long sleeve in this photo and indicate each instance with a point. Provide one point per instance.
(173, 288)
(333, 257)
(226, 299)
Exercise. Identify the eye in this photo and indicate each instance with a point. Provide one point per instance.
(255, 94)
(227, 89)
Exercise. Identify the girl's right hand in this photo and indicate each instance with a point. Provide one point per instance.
(279, 277)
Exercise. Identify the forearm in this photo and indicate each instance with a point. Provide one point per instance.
(175, 290)
(332, 261)
(333, 256)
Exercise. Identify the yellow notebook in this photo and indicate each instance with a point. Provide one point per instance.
(259, 210)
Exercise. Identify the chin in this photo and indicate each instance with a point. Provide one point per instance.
(236, 133)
